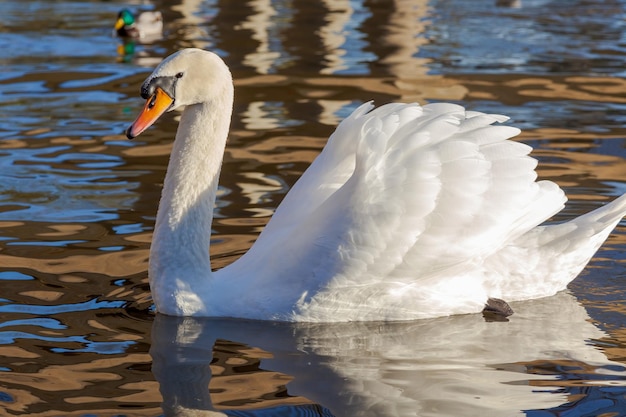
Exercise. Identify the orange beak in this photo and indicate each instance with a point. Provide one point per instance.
(154, 108)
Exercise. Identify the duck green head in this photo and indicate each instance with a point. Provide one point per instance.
(124, 18)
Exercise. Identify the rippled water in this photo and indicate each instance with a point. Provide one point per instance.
(78, 202)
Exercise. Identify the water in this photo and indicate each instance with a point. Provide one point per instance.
(78, 200)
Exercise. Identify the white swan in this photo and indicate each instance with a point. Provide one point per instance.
(409, 212)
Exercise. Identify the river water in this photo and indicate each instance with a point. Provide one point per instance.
(78, 335)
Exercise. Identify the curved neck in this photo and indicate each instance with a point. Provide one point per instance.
(183, 226)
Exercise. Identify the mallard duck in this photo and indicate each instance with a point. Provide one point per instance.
(147, 24)
(409, 212)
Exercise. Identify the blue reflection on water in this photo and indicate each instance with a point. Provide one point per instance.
(15, 276)
(526, 40)
(8, 338)
(44, 310)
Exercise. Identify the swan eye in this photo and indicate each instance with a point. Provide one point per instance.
(179, 75)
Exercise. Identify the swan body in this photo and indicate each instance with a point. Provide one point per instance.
(146, 24)
(409, 212)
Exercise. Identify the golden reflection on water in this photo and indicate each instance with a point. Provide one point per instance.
(521, 89)
(39, 377)
(239, 382)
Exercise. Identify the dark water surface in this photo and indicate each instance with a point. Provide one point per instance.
(78, 336)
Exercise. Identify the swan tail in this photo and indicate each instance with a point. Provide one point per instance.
(553, 255)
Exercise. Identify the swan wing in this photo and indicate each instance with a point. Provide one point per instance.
(329, 171)
(395, 217)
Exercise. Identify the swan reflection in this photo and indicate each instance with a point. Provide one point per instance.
(453, 366)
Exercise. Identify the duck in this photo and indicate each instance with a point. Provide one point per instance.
(145, 25)
(409, 212)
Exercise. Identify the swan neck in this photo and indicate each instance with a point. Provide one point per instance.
(183, 226)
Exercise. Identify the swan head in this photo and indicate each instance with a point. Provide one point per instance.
(188, 77)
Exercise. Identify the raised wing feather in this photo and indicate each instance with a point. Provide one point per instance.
(434, 192)
(397, 215)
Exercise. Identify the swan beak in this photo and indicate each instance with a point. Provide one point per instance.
(155, 106)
